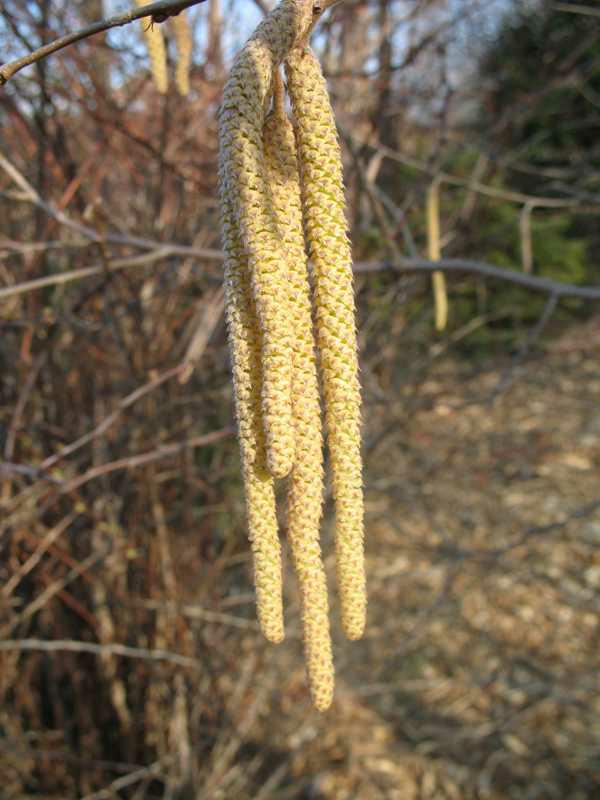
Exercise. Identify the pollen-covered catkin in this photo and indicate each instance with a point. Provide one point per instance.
(245, 97)
(329, 249)
(184, 42)
(245, 347)
(305, 488)
(156, 50)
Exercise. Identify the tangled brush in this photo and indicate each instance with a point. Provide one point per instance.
(282, 206)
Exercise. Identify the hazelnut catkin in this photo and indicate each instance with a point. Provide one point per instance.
(305, 488)
(281, 198)
(156, 50)
(329, 249)
(245, 98)
(245, 347)
(184, 42)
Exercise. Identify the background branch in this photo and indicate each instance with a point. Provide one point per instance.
(159, 11)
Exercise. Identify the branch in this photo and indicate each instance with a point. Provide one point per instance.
(140, 460)
(158, 11)
(112, 265)
(536, 284)
(114, 649)
(577, 8)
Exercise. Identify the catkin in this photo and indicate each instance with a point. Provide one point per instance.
(329, 249)
(281, 198)
(184, 42)
(245, 347)
(305, 489)
(156, 50)
(245, 97)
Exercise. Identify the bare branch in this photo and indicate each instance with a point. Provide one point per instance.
(131, 462)
(106, 423)
(460, 265)
(577, 8)
(158, 11)
(68, 645)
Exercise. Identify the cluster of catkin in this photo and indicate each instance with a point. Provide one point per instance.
(290, 329)
(155, 42)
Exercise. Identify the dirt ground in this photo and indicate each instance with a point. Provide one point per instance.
(479, 676)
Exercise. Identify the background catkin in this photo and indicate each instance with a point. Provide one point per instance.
(157, 51)
(245, 348)
(305, 488)
(183, 40)
(245, 97)
(329, 249)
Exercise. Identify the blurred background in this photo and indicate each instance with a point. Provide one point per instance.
(130, 661)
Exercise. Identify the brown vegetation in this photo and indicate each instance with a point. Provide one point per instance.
(131, 664)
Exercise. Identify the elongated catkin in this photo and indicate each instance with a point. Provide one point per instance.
(329, 249)
(184, 42)
(245, 347)
(156, 50)
(241, 118)
(305, 489)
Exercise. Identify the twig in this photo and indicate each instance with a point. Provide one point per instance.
(27, 471)
(159, 11)
(125, 403)
(196, 612)
(144, 260)
(130, 462)
(536, 331)
(210, 317)
(577, 8)
(461, 265)
(482, 188)
(51, 591)
(30, 195)
(114, 649)
(152, 771)
(53, 534)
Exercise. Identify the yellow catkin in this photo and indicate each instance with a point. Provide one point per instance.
(241, 118)
(156, 50)
(305, 489)
(440, 294)
(245, 347)
(329, 249)
(184, 41)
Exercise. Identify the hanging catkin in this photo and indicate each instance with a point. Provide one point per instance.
(245, 346)
(305, 489)
(329, 249)
(183, 40)
(156, 50)
(245, 97)
(282, 200)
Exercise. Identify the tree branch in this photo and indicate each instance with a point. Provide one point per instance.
(536, 284)
(158, 11)
(577, 8)
(113, 649)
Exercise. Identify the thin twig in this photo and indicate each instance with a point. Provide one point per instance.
(161, 253)
(51, 591)
(152, 771)
(508, 378)
(131, 462)
(165, 8)
(113, 649)
(577, 8)
(53, 534)
(462, 265)
(106, 423)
